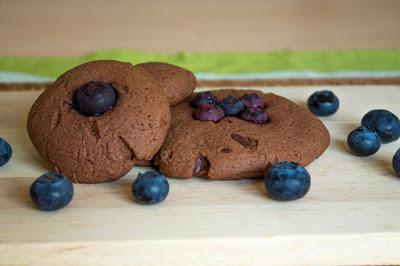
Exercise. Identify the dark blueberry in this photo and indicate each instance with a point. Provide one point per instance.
(231, 105)
(51, 191)
(252, 100)
(363, 141)
(396, 162)
(5, 152)
(150, 188)
(208, 112)
(95, 98)
(323, 103)
(385, 123)
(203, 98)
(287, 181)
(255, 115)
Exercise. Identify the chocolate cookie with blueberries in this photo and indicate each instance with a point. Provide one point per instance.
(97, 120)
(234, 134)
(176, 83)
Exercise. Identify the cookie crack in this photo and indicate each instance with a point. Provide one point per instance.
(57, 121)
(89, 161)
(82, 153)
(54, 126)
(128, 147)
(95, 130)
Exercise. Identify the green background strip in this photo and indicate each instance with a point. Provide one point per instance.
(221, 62)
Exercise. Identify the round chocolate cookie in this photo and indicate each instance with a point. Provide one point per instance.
(175, 82)
(233, 148)
(98, 119)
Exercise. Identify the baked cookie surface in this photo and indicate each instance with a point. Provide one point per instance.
(175, 82)
(233, 148)
(93, 149)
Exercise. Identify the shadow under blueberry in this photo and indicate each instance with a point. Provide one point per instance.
(126, 184)
(342, 144)
(350, 127)
(384, 163)
(259, 186)
(20, 192)
(376, 160)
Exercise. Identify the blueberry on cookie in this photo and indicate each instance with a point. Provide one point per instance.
(241, 146)
(97, 120)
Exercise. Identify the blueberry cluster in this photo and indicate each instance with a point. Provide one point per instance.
(377, 127)
(283, 181)
(249, 108)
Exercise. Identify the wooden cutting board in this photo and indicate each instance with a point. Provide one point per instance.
(350, 216)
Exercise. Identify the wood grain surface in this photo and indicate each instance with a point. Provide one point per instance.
(43, 27)
(350, 216)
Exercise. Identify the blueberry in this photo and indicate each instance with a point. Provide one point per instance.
(252, 100)
(255, 115)
(396, 162)
(385, 123)
(208, 112)
(231, 105)
(150, 188)
(5, 152)
(51, 191)
(287, 181)
(363, 141)
(203, 98)
(95, 98)
(323, 103)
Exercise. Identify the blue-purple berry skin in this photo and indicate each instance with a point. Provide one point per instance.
(95, 98)
(209, 112)
(5, 152)
(203, 98)
(323, 103)
(384, 122)
(286, 181)
(254, 115)
(51, 191)
(252, 100)
(231, 105)
(150, 188)
(363, 141)
(396, 162)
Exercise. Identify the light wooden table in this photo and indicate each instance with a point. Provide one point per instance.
(43, 27)
(350, 216)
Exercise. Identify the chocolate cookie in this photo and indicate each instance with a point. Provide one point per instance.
(105, 146)
(175, 82)
(233, 148)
